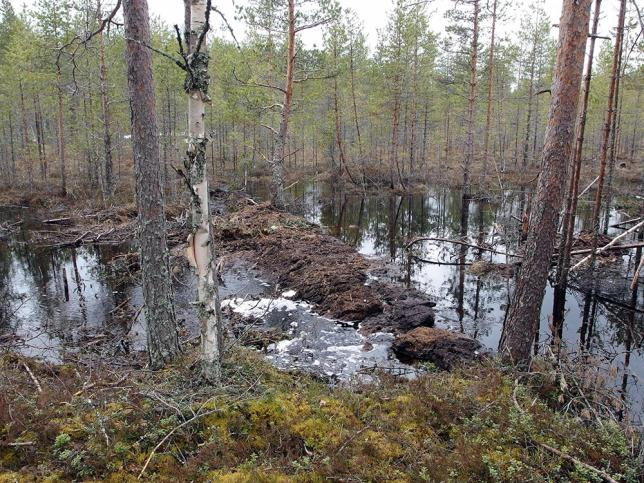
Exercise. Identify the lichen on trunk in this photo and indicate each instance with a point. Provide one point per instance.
(200, 250)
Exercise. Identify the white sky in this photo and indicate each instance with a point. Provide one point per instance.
(373, 14)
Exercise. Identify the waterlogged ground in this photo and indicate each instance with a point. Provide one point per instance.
(60, 301)
(604, 322)
(56, 301)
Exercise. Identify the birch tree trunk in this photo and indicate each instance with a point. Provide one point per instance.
(524, 312)
(201, 249)
(162, 337)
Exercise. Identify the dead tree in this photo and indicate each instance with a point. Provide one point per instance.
(608, 123)
(162, 337)
(524, 312)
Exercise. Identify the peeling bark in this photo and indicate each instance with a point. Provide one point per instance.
(201, 250)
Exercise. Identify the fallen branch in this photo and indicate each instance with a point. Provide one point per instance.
(22, 443)
(637, 273)
(561, 454)
(55, 221)
(574, 460)
(621, 246)
(459, 242)
(33, 378)
(434, 262)
(167, 436)
(587, 188)
(626, 222)
(605, 247)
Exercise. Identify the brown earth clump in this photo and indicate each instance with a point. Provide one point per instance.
(324, 271)
(444, 348)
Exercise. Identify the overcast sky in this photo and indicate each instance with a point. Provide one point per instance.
(373, 14)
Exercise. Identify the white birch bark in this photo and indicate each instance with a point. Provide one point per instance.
(200, 250)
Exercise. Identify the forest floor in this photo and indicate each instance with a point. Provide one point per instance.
(480, 422)
(68, 422)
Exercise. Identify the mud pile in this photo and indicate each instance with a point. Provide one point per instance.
(324, 271)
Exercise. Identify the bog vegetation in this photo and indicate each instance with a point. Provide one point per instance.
(120, 130)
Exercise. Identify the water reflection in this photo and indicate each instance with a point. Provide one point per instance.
(606, 323)
(59, 295)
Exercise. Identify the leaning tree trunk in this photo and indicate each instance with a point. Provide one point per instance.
(277, 163)
(201, 250)
(611, 119)
(162, 337)
(608, 124)
(524, 312)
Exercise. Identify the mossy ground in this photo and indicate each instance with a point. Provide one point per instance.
(266, 425)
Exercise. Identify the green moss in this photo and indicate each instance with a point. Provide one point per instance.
(267, 425)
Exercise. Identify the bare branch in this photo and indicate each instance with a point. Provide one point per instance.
(257, 84)
(313, 25)
(272, 129)
(160, 52)
(230, 29)
(313, 77)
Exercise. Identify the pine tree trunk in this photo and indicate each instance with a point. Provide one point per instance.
(12, 146)
(571, 201)
(353, 98)
(471, 101)
(162, 337)
(614, 143)
(490, 82)
(277, 162)
(61, 135)
(40, 138)
(108, 177)
(524, 312)
(26, 151)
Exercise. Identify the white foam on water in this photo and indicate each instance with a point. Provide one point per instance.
(261, 307)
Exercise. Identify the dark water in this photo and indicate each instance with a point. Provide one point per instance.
(53, 300)
(60, 303)
(605, 324)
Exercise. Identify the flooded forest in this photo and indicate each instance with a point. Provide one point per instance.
(311, 240)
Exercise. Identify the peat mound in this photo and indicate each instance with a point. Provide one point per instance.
(444, 348)
(323, 270)
(300, 256)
